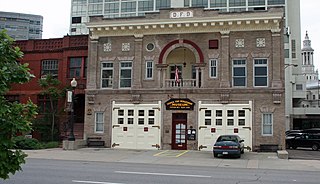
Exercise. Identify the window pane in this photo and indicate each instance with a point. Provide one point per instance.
(151, 121)
(207, 121)
(230, 122)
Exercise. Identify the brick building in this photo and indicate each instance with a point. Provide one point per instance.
(64, 58)
(180, 77)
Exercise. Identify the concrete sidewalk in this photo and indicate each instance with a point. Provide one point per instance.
(172, 157)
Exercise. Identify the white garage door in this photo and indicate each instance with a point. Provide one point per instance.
(219, 119)
(136, 126)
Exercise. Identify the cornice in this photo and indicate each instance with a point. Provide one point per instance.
(221, 23)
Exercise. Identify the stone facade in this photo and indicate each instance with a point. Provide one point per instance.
(185, 42)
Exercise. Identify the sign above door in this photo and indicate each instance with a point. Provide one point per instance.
(179, 104)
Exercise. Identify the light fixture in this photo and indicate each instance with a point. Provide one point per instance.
(73, 84)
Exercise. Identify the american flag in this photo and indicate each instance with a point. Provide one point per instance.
(176, 76)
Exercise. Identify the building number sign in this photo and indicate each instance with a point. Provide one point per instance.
(181, 14)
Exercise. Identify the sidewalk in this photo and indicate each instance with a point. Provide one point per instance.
(191, 157)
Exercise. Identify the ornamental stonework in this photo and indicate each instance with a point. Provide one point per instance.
(107, 47)
(125, 47)
(239, 43)
(261, 42)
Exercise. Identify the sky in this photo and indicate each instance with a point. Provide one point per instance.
(56, 15)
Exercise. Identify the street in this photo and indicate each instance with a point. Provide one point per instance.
(43, 171)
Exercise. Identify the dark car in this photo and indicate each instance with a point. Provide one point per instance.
(228, 145)
(304, 140)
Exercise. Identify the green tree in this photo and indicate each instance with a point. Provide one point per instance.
(52, 91)
(14, 117)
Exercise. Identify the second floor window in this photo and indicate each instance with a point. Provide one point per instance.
(77, 67)
(213, 68)
(260, 73)
(239, 73)
(125, 74)
(49, 67)
(149, 70)
(106, 75)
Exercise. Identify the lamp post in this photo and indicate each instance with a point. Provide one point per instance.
(73, 84)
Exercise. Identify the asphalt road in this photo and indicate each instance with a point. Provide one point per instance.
(304, 154)
(41, 171)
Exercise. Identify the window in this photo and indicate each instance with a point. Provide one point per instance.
(160, 4)
(76, 20)
(125, 74)
(78, 67)
(299, 87)
(149, 69)
(276, 2)
(44, 104)
(233, 3)
(293, 48)
(218, 3)
(213, 44)
(213, 68)
(146, 5)
(239, 73)
(49, 67)
(128, 7)
(99, 122)
(106, 74)
(267, 121)
(200, 3)
(12, 98)
(260, 72)
(75, 67)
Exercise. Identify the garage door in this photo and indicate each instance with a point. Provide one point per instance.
(219, 119)
(136, 126)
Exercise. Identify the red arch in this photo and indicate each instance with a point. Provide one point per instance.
(164, 50)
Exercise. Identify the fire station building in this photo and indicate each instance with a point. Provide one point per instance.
(180, 77)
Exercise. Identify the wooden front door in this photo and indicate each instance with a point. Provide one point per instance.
(179, 131)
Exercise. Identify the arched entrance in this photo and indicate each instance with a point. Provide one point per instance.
(185, 56)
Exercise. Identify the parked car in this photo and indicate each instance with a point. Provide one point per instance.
(228, 145)
(304, 140)
(292, 131)
(311, 130)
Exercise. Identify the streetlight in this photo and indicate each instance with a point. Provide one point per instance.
(73, 84)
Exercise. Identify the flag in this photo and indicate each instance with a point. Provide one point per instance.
(176, 76)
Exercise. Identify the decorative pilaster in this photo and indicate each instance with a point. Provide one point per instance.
(93, 65)
(276, 59)
(137, 74)
(225, 81)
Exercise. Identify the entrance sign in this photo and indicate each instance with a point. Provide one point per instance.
(181, 14)
(179, 104)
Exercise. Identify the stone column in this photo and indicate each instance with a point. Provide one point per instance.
(224, 63)
(93, 64)
(137, 63)
(276, 59)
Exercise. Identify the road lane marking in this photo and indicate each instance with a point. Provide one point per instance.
(93, 182)
(163, 174)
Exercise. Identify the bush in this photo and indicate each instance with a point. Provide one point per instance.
(22, 142)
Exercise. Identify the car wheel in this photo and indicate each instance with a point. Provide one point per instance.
(239, 156)
(242, 151)
(215, 154)
(315, 147)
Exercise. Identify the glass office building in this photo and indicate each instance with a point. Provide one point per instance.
(21, 26)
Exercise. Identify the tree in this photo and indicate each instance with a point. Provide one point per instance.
(15, 117)
(51, 90)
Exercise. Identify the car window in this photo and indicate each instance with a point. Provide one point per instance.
(227, 138)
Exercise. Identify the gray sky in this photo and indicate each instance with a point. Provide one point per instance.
(56, 14)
